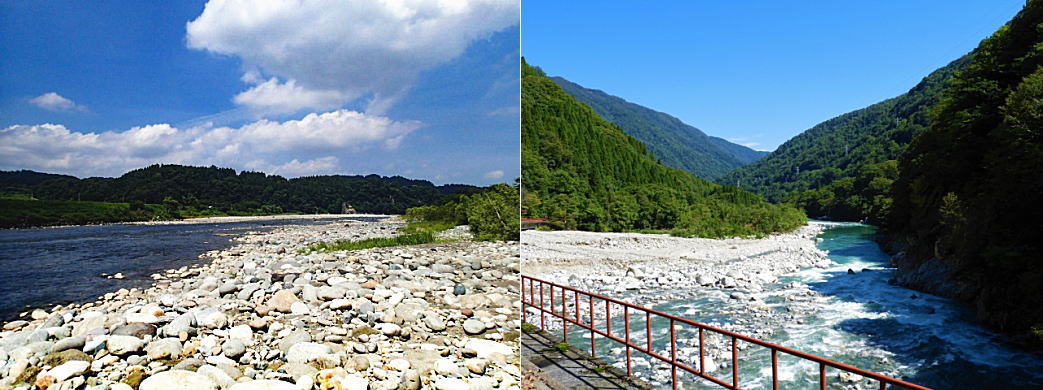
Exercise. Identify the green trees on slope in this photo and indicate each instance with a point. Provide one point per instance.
(841, 168)
(674, 143)
(583, 172)
(968, 195)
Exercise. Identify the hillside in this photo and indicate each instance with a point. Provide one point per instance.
(583, 172)
(843, 168)
(671, 141)
(213, 190)
(967, 214)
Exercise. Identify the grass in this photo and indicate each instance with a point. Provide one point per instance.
(347, 245)
(426, 226)
(559, 348)
(529, 328)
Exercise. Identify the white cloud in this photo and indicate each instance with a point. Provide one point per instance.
(282, 98)
(495, 175)
(262, 145)
(373, 49)
(52, 101)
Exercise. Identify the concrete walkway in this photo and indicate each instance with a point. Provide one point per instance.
(545, 368)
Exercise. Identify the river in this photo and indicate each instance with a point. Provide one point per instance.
(857, 318)
(43, 267)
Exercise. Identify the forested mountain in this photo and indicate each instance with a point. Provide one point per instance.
(224, 190)
(672, 142)
(843, 168)
(967, 205)
(583, 172)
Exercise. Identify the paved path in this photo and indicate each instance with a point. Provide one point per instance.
(544, 368)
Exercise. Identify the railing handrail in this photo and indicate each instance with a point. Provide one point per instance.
(823, 362)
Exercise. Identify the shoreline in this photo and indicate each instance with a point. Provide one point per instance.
(260, 311)
(224, 219)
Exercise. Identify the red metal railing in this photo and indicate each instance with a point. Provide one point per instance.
(532, 287)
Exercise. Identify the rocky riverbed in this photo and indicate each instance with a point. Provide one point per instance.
(733, 284)
(263, 315)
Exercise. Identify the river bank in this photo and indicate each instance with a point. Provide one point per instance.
(260, 315)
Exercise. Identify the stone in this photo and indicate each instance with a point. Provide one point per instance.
(233, 348)
(327, 293)
(282, 300)
(370, 284)
(178, 380)
(211, 318)
(181, 323)
(476, 366)
(434, 322)
(292, 339)
(340, 304)
(306, 352)
(297, 370)
(124, 345)
(266, 384)
(299, 308)
(136, 329)
(446, 367)
(38, 314)
(473, 326)
(217, 375)
(451, 384)
(388, 329)
(459, 290)
(240, 332)
(69, 343)
(68, 370)
(410, 380)
(88, 324)
(398, 364)
(486, 348)
(167, 348)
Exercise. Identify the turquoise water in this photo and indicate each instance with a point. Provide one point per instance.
(854, 317)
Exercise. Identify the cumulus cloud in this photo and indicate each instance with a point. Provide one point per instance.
(262, 145)
(52, 101)
(495, 175)
(333, 51)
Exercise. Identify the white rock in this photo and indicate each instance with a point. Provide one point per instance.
(485, 348)
(68, 370)
(299, 308)
(451, 384)
(306, 352)
(178, 380)
(123, 345)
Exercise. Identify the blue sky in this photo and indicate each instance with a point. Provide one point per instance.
(755, 72)
(425, 90)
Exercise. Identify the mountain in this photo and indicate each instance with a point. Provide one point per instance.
(843, 168)
(583, 172)
(211, 189)
(674, 143)
(967, 216)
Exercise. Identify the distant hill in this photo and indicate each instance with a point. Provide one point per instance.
(582, 172)
(843, 168)
(674, 143)
(223, 190)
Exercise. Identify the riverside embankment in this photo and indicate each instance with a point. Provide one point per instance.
(263, 315)
(822, 289)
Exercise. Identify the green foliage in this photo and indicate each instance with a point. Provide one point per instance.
(211, 191)
(842, 168)
(491, 213)
(969, 187)
(529, 328)
(582, 172)
(26, 213)
(674, 143)
(380, 242)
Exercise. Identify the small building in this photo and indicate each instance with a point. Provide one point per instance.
(346, 208)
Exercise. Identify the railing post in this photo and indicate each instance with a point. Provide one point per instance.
(626, 326)
(702, 358)
(593, 344)
(648, 329)
(575, 297)
(524, 317)
(543, 315)
(564, 318)
(822, 376)
(608, 318)
(774, 369)
(673, 354)
(735, 364)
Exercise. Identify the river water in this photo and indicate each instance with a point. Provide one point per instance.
(855, 318)
(48, 266)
